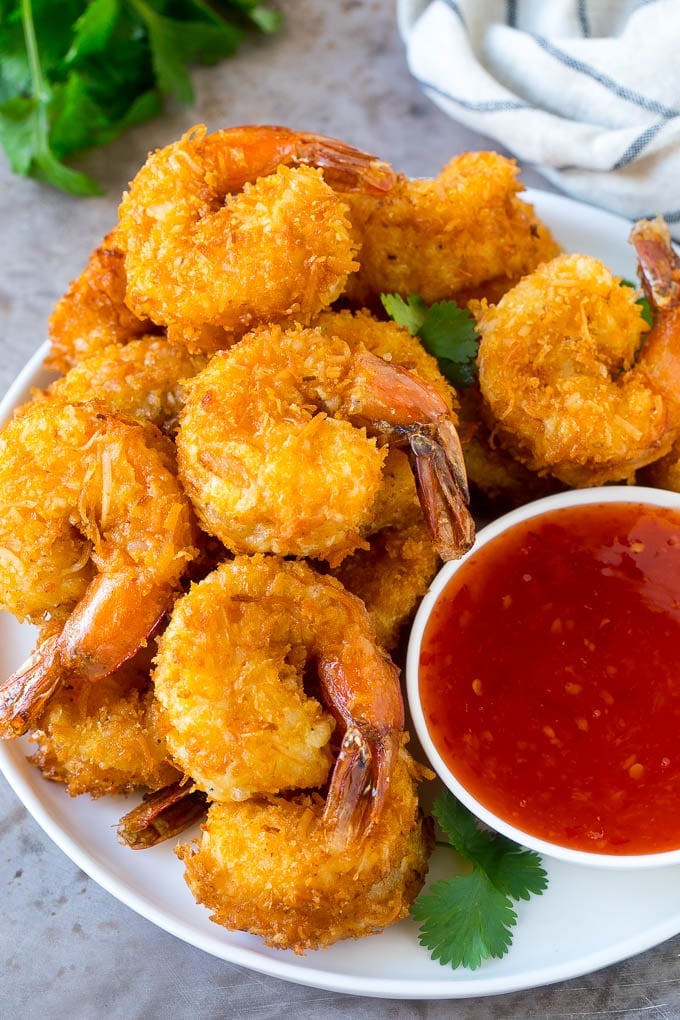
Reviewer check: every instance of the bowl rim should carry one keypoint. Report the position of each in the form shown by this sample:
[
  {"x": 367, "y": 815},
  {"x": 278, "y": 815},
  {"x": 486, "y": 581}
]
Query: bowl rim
[{"x": 635, "y": 494}]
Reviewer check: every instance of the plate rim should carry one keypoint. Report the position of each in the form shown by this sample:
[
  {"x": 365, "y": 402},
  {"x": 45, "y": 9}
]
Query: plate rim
[{"x": 448, "y": 987}]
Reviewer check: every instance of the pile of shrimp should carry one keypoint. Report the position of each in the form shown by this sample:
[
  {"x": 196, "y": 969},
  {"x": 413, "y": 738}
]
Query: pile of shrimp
[{"x": 222, "y": 514}]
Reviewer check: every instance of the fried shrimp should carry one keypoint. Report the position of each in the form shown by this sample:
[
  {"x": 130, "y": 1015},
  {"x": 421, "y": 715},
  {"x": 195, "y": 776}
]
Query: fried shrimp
[
  {"x": 264, "y": 866},
  {"x": 93, "y": 313},
  {"x": 394, "y": 572},
  {"x": 239, "y": 721},
  {"x": 274, "y": 452},
  {"x": 392, "y": 343},
  {"x": 95, "y": 535},
  {"x": 142, "y": 380},
  {"x": 497, "y": 480},
  {"x": 104, "y": 738},
  {"x": 439, "y": 238},
  {"x": 557, "y": 373},
  {"x": 240, "y": 227}
]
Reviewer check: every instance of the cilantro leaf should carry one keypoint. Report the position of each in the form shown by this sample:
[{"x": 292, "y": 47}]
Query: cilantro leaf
[
  {"x": 645, "y": 308},
  {"x": 411, "y": 313},
  {"x": 79, "y": 73},
  {"x": 445, "y": 330},
  {"x": 469, "y": 918},
  {"x": 465, "y": 920}
]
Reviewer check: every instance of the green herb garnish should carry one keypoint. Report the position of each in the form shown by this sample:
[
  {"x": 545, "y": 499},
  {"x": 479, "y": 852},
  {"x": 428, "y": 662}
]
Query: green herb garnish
[
  {"x": 642, "y": 302},
  {"x": 469, "y": 918},
  {"x": 445, "y": 330},
  {"x": 77, "y": 74}
]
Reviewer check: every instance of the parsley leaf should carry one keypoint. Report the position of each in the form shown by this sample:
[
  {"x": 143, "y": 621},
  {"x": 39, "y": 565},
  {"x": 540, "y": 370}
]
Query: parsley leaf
[
  {"x": 469, "y": 918},
  {"x": 79, "y": 73},
  {"x": 445, "y": 330},
  {"x": 645, "y": 309}
]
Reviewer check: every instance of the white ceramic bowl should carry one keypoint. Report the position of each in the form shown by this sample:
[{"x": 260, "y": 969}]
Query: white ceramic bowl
[{"x": 573, "y": 498}]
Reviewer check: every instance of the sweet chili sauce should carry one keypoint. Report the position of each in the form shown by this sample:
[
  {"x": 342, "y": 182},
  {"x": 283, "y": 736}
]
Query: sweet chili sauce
[{"x": 550, "y": 677}]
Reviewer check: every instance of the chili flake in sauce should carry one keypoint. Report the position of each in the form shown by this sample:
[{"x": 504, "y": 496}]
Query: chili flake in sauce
[{"x": 550, "y": 677}]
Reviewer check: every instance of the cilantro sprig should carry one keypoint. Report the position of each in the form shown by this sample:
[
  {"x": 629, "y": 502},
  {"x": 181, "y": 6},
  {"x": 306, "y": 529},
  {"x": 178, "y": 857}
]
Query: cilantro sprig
[
  {"x": 77, "y": 74},
  {"x": 445, "y": 330},
  {"x": 469, "y": 918}
]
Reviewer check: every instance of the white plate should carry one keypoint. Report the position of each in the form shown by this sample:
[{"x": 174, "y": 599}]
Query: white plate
[{"x": 626, "y": 912}]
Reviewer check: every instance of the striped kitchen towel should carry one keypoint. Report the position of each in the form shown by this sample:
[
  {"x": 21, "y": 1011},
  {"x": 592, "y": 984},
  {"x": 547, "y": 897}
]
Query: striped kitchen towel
[{"x": 586, "y": 91}]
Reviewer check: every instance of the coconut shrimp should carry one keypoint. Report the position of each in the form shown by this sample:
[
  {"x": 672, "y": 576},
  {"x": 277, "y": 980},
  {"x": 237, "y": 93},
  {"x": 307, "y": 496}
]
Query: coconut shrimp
[
  {"x": 240, "y": 226},
  {"x": 239, "y": 719},
  {"x": 392, "y": 343},
  {"x": 394, "y": 572},
  {"x": 142, "y": 379},
  {"x": 660, "y": 273},
  {"x": 92, "y": 313},
  {"x": 95, "y": 534},
  {"x": 104, "y": 738},
  {"x": 559, "y": 376},
  {"x": 443, "y": 238},
  {"x": 497, "y": 480},
  {"x": 274, "y": 453},
  {"x": 264, "y": 866}
]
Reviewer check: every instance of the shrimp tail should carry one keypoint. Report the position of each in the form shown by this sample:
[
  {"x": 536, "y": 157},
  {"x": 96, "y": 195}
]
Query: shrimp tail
[
  {"x": 392, "y": 402},
  {"x": 161, "y": 815},
  {"x": 26, "y": 693},
  {"x": 359, "y": 785},
  {"x": 349, "y": 789},
  {"x": 437, "y": 461},
  {"x": 345, "y": 168},
  {"x": 659, "y": 265},
  {"x": 109, "y": 625}
]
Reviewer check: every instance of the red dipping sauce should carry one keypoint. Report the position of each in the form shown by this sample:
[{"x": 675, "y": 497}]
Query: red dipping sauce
[{"x": 550, "y": 677}]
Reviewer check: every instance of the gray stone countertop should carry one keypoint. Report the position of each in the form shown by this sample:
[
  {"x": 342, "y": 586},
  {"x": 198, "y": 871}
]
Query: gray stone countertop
[{"x": 68, "y": 948}]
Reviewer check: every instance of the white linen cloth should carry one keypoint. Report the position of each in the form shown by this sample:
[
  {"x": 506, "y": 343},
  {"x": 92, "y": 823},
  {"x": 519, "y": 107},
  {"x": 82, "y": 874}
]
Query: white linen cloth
[{"x": 585, "y": 91}]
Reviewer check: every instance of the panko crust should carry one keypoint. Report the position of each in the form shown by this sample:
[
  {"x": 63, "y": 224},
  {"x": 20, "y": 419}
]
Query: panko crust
[
  {"x": 389, "y": 341},
  {"x": 85, "y": 491},
  {"x": 444, "y": 237},
  {"x": 264, "y": 866},
  {"x": 236, "y": 715},
  {"x": 493, "y": 473},
  {"x": 103, "y": 738},
  {"x": 267, "y": 469},
  {"x": 93, "y": 312},
  {"x": 142, "y": 379},
  {"x": 555, "y": 370},
  {"x": 212, "y": 239},
  {"x": 393, "y": 574}
]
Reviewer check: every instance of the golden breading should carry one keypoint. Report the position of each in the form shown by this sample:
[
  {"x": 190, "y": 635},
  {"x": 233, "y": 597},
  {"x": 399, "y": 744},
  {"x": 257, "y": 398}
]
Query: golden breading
[
  {"x": 92, "y": 313},
  {"x": 103, "y": 738},
  {"x": 220, "y": 229},
  {"x": 393, "y": 574},
  {"x": 142, "y": 379},
  {"x": 274, "y": 452},
  {"x": 443, "y": 237},
  {"x": 97, "y": 534},
  {"x": 264, "y": 866},
  {"x": 555, "y": 371},
  {"x": 231, "y": 673}
]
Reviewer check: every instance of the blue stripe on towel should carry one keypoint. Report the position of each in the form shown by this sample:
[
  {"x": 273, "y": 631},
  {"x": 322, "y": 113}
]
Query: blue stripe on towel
[
  {"x": 583, "y": 18},
  {"x": 622, "y": 91},
  {"x": 489, "y": 106},
  {"x": 636, "y": 147}
]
